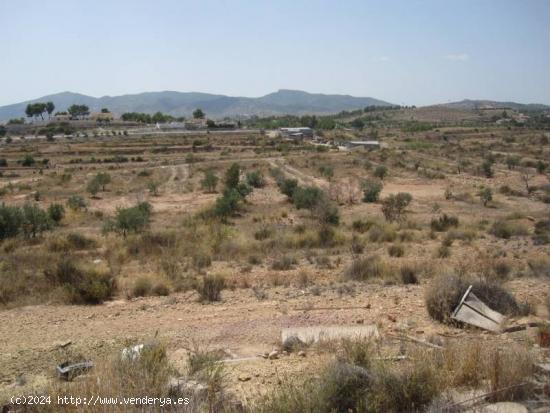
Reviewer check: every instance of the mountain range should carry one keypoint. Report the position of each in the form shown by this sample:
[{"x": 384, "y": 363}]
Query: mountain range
[{"x": 282, "y": 102}]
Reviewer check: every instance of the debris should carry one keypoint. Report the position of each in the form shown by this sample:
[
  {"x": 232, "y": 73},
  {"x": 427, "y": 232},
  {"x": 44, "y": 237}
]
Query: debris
[
  {"x": 472, "y": 310},
  {"x": 274, "y": 355},
  {"x": 67, "y": 371},
  {"x": 132, "y": 353},
  {"x": 415, "y": 340},
  {"x": 320, "y": 333}
]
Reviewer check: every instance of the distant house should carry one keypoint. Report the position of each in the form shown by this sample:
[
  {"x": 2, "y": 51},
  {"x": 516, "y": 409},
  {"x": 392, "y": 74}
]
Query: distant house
[
  {"x": 195, "y": 124},
  {"x": 296, "y": 133},
  {"x": 102, "y": 116},
  {"x": 363, "y": 144}
]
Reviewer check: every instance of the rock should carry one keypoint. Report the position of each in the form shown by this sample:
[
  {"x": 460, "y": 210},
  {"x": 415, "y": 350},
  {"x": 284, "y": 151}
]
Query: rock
[
  {"x": 62, "y": 344},
  {"x": 505, "y": 407},
  {"x": 187, "y": 387},
  {"x": 360, "y": 321},
  {"x": 291, "y": 343},
  {"x": 302, "y": 353},
  {"x": 274, "y": 355},
  {"x": 244, "y": 377},
  {"x": 265, "y": 355}
]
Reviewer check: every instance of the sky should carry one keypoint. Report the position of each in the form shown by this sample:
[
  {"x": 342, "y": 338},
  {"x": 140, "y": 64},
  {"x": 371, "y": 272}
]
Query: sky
[{"x": 404, "y": 52}]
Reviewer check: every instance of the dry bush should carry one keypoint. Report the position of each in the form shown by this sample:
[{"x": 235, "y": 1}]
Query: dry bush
[
  {"x": 396, "y": 250},
  {"x": 210, "y": 288},
  {"x": 365, "y": 268},
  {"x": 70, "y": 242},
  {"x": 409, "y": 274},
  {"x": 443, "y": 223},
  {"x": 540, "y": 267},
  {"x": 284, "y": 263},
  {"x": 382, "y": 233},
  {"x": 508, "y": 228},
  {"x": 80, "y": 284},
  {"x": 142, "y": 287}
]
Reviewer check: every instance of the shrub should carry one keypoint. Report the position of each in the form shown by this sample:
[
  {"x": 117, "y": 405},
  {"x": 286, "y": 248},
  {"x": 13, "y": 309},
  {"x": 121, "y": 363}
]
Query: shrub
[
  {"x": 227, "y": 204},
  {"x": 365, "y": 268},
  {"x": 232, "y": 176},
  {"x": 393, "y": 207},
  {"x": 76, "y": 202},
  {"x": 485, "y": 195},
  {"x": 35, "y": 221},
  {"x": 11, "y": 220},
  {"x": 396, "y": 250},
  {"x": 288, "y": 186},
  {"x": 371, "y": 190},
  {"x": 81, "y": 286},
  {"x": 133, "y": 219},
  {"x": 28, "y": 160},
  {"x": 161, "y": 289},
  {"x": 210, "y": 181},
  {"x": 284, "y": 263},
  {"x": 508, "y": 228},
  {"x": 211, "y": 287},
  {"x": 443, "y": 223},
  {"x": 306, "y": 197},
  {"x": 408, "y": 274},
  {"x": 487, "y": 168},
  {"x": 540, "y": 267},
  {"x": 542, "y": 232},
  {"x": 56, "y": 212},
  {"x": 142, "y": 287},
  {"x": 380, "y": 172},
  {"x": 255, "y": 179}
]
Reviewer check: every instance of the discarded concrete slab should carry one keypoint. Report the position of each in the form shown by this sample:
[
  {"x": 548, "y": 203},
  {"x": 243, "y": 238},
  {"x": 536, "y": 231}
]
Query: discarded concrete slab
[
  {"x": 472, "y": 310},
  {"x": 321, "y": 333},
  {"x": 67, "y": 371}
]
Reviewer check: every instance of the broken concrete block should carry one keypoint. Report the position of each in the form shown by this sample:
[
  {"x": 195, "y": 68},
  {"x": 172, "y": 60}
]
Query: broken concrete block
[{"x": 471, "y": 310}]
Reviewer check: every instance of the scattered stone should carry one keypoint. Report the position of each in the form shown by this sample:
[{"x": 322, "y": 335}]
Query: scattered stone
[
  {"x": 302, "y": 353},
  {"x": 274, "y": 355},
  {"x": 62, "y": 344},
  {"x": 244, "y": 377}
]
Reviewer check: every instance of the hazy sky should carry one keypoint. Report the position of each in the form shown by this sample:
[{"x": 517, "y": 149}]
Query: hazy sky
[{"x": 405, "y": 52}]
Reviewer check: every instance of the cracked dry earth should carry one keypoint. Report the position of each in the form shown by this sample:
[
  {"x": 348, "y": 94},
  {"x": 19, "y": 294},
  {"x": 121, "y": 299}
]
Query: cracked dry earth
[{"x": 31, "y": 337}]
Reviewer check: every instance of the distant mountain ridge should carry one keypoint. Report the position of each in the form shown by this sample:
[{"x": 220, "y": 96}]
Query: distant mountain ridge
[
  {"x": 487, "y": 104},
  {"x": 282, "y": 102}
]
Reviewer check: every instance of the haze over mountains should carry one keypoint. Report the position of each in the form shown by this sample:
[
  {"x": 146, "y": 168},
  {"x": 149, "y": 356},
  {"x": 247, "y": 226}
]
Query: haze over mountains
[
  {"x": 215, "y": 106},
  {"x": 282, "y": 102}
]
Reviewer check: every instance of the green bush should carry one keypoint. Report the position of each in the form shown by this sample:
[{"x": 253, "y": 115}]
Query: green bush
[
  {"x": 371, "y": 190},
  {"x": 133, "y": 219},
  {"x": 56, "y": 212},
  {"x": 393, "y": 207},
  {"x": 255, "y": 179},
  {"x": 76, "y": 202},
  {"x": 288, "y": 186},
  {"x": 380, "y": 172},
  {"x": 508, "y": 228},
  {"x": 306, "y": 197},
  {"x": 210, "y": 181},
  {"x": 142, "y": 287}
]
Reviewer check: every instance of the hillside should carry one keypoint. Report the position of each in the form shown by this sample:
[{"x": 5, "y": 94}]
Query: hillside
[
  {"x": 469, "y": 104},
  {"x": 216, "y": 106}
]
